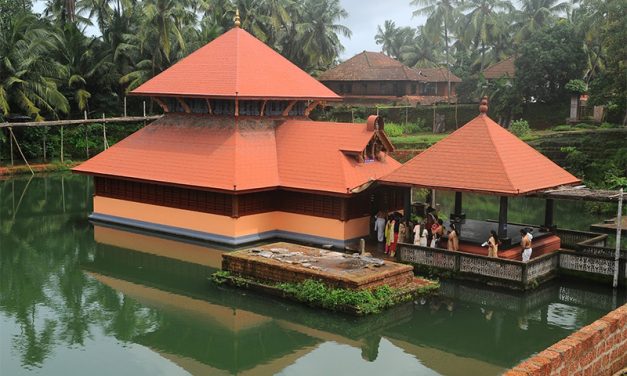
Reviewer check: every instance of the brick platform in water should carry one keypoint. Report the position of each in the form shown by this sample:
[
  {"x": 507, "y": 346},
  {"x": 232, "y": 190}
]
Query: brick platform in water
[{"x": 286, "y": 262}]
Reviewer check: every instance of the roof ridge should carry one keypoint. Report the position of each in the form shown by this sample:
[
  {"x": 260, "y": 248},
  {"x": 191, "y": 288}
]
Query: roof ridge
[
  {"x": 367, "y": 60},
  {"x": 498, "y": 154},
  {"x": 237, "y": 59}
]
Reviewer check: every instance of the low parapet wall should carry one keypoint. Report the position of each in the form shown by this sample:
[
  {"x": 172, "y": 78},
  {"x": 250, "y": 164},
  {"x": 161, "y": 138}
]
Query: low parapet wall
[{"x": 598, "y": 349}]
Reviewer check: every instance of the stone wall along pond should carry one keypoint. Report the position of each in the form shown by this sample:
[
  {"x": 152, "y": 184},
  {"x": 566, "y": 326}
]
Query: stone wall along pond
[{"x": 598, "y": 349}]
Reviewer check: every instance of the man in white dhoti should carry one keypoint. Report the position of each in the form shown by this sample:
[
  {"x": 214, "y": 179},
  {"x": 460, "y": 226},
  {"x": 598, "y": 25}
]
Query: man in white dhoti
[{"x": 525, "y": 244}]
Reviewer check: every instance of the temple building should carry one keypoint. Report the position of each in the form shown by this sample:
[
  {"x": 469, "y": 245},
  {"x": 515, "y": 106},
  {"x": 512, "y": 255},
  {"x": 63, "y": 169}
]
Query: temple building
[
  {"x": 236, "y": 159},
  {"x": 375, "y": 77}
]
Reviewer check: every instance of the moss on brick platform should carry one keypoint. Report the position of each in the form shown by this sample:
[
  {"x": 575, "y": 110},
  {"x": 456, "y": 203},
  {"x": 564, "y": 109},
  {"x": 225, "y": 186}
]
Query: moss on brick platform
[{"x": 318, "y": 294}]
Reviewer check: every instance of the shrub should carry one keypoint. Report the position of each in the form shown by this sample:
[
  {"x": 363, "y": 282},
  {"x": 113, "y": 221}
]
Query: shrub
[
  {"x": 607, "y": 125},
  {"x": 393, "y": 130},
  {"x": 520, "y": 128},
  {"x": 562, "y": 128},
  {"x": 584, "y": 126}
]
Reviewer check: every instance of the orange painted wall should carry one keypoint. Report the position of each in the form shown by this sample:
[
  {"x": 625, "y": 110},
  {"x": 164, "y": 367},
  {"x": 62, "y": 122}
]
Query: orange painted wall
[{"x": 233, "y": 227}]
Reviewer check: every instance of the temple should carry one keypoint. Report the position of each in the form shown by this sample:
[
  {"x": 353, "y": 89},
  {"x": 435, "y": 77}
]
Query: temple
[{"x": 236, "y": 159}]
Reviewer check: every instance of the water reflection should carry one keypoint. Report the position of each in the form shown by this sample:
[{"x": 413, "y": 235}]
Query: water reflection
[{"x": 79, "y": 300}]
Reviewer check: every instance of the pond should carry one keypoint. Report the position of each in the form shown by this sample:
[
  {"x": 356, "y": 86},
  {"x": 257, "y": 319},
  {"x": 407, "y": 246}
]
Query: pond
[{"x": 75, "y": 299}]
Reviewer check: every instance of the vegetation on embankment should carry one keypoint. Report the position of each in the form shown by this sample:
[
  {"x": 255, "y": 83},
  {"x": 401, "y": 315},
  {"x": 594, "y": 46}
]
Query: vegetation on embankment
[{"x": 317, "y": 294}]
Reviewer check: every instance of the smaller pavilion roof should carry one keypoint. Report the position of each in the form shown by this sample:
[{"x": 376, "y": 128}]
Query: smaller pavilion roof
[
  {"x": 504, "y": 68},
  {"x": 482, "y": 157},
  {"x": 371, "y": 66},
  {"x": 438, "y": 74},
  {"x": 236, "y": 64}
]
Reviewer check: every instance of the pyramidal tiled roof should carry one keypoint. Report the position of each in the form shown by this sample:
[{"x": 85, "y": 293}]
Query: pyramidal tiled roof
[
  {"x": 483, "y": 157},
  {"x": 236, "y": 64}
]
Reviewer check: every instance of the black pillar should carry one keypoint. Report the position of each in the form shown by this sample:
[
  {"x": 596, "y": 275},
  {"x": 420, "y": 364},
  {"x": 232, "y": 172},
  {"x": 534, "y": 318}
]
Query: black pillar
[
  {"x": 548, "y": 213},
  {"x": 458, "y": 203},
  {"x": 457, "y": 215},
  {"x": 503, "y": 218}
]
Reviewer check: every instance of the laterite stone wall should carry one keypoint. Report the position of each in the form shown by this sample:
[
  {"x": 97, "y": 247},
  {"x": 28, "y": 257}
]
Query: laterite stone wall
[{"x": 598, "y": 349}]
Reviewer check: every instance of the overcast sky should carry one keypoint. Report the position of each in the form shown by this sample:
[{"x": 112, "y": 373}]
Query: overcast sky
[
  {"x": 363, "y": 18},
  {"x": 365, "y": 15}
]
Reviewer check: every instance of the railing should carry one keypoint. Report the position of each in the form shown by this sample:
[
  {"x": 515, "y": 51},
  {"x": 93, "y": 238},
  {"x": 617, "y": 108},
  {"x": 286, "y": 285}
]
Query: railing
[
  {"x": 590, "y": 243},
  {"x": 571, "y": 238},
  {"x": 517, "y": 273},
  {"x": 576, "y": 261}
]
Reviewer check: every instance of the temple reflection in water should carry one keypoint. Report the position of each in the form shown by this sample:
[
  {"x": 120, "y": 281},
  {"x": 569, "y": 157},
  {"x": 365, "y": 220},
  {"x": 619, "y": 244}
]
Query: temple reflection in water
[{"x": 231, "y": 331}]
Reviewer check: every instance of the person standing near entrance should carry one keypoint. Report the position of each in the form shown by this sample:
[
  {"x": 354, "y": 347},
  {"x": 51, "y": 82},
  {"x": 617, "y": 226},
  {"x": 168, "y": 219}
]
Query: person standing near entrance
[
  {"x": 389, "y": 234},
  {"x": 453, "y": 238},
  {"x": 379, "y": 226},
  {"x": 493, "y": 244},
  {"x": 430, "y": 221},
  {"x": 525, "y": 244}
]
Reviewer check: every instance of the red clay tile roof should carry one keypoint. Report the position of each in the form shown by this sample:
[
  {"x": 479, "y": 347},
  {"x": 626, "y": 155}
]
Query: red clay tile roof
[
  {"x": 371, "y": 66},
  {"x": 437, "y": 75},
  {"x": 505, "y": 68},
  {"x": 484, "y": 157},
  {"x": 236, "y": 64},
  {"x": 208, "y": 152}
]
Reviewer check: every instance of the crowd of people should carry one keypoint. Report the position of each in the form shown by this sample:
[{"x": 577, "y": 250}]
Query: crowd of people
[{"x": 431, "y": 232}]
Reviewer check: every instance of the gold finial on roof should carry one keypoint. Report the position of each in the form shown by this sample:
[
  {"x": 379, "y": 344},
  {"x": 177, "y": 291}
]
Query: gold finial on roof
[
  {"x": 236, "y": 19},
  {"x": 483, "y": 107}
]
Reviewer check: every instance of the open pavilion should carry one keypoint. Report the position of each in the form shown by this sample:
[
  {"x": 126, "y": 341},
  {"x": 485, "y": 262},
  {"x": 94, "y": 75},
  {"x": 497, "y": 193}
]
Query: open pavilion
[{"x": 485, "y": 158}]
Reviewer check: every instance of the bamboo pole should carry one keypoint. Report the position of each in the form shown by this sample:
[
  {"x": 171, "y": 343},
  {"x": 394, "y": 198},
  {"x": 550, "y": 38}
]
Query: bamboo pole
[
  {"x": 128, "y": 119},
  {"x": 20, "y": 150},
  {"x": 619, "y": 223},
  {"x": 11, "y": 145},
  {"x": 61, "y": 144}
]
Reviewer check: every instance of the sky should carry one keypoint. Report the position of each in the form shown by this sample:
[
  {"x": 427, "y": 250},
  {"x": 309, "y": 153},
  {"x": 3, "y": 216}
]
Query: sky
[
  {"x": 363, "y": 18},
  {"x": 365, "y": 15}
]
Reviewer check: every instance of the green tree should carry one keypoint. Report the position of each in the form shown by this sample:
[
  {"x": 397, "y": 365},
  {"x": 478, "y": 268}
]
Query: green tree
[
  {"x": 483, "y": 24},
  {"x": 28, "y": 76},
  {"x": 549, "y": 59},
  {"x": 442, "y": 15},
  {"x": 536, "y": 14}
]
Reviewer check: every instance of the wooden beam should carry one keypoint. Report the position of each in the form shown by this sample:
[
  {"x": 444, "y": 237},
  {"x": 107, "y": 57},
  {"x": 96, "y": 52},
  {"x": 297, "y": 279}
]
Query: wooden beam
[
  {"x": 263, "y": 107},
  {"x": 209, "y": 107},
  {"x": 311, "y": 106},
  {"x": 288, "y": 108},
  {"x": 128, "y": 119},
  {"x": 236, "y": 107},
  {"x": 161, "y": 103},
  {"x": 185, "y": 105}
]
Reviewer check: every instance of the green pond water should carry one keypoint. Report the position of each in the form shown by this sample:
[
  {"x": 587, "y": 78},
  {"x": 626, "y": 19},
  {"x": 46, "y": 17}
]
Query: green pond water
[{"x": 79, "y": 300}]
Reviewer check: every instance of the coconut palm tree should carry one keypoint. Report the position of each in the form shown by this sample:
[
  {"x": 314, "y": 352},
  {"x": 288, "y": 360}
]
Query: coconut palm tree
[
  {"x": 385, "y": 36},
  {"x": 535, "y": 14},
  {"x": 313, "y": 43},
  {"x": 442, "y": 15},
  {"x": 422, "y": 52},
  {"x": 482, "y": 23},
  {"x": 28, "y": 77}
]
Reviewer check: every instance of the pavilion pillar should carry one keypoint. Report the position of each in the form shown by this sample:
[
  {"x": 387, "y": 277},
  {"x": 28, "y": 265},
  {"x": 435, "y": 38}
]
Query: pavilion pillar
[
  {"x": 549, "y": 207},
  {"x": 502, "y": 232},
  {"x": 457, "y": 214}
]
